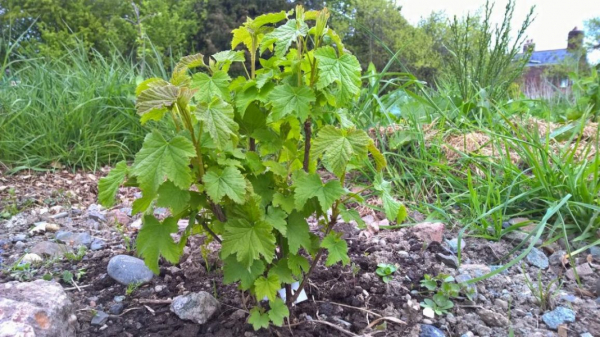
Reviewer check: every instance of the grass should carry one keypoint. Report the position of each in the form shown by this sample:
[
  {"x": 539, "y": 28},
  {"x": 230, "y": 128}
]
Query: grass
[{"x": 77, "y": 112}]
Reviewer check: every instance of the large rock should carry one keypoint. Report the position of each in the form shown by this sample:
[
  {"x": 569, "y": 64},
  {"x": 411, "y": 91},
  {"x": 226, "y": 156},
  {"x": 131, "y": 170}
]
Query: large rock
[
  {"x": 197, "y": 307},
  {"x": 39, "y": 308},
  {"x": 127, "y": 270},
  {"x": 429, "y": 231},
  {"x": 537, "y": 258},
  {"x": 430, "y": 331}
]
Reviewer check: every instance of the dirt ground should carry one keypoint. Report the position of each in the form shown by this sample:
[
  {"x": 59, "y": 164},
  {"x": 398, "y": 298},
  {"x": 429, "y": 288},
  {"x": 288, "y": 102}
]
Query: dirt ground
[{"x": 342, "y": 300}]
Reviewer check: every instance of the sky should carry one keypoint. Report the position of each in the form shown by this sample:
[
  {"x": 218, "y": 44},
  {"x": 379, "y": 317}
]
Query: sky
[{"x": 553, "y": 19}]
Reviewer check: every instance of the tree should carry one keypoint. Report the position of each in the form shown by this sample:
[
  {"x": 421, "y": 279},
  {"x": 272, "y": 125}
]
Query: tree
[{"x": 592, "y": 28}]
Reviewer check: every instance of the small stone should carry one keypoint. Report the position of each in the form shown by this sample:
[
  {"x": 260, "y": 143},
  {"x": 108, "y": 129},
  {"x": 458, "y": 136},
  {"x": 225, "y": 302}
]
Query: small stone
[
  {"x": 159, "y": 288},
  {"x": 59, "y": 215},
  {"x": 496, "y": 267},
  {"x": 31, "y": 258},
  {"x": 467, "y": 334},
  {"x": 587, "y": 334},
  {"x": 238, "y": 315},
  {"x": 471, "y": 287},
  {"x": 97, "y": 244},
  {"x": 127, "y": 270},
  {"x": 427, "y": 321},
  {"x": 557, "y": 258},
  {"x": 100, "y": 318},
  {"x": 137, "y": 224},
  {"x": 198, "y": 307},
  {"x": 475, "y": 270},
  {"x": 449, "y": 260},
  {"x": 74, "y": 239},
  {"x": 558, "y": 316},
  {"x": 428, "y": 330},
  {"x": 118, "y": 217},
  {"x": 537, "y": 258},
  {"x": 96, "y": 215},
  {"x": 582, "y": 270},
  {"x": 49, "y": 248},
  {"x": 116, "y": 309},
  {"x": 595, "y": 252},
  {"x": 492, "y": 319},
  {"x": 20, "y": 245},
  {"x": 501, "y": 304},
  {"x": 598, "y": 288},
  {"x": 119, "y": 299},
  {"x": 19, "y": 237},
  {"x": 453, "y": 245},
  {"x": 518, "y": 237},
  {"x": 429, "y": 231}
]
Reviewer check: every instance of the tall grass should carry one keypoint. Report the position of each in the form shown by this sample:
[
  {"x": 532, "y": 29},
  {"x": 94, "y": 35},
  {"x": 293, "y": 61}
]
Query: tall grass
[{"x": 77, "y": 111}]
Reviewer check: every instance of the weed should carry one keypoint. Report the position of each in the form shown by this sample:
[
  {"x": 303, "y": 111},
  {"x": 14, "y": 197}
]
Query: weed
[
  {"x": 385, "y": 271},
  {"x": 444, "y": 288},
  {"x": 131, "y": 287},
  {"x": 74, "y": 257},
  {"x": 543, "y": 293},
  {"x": 22, "y": 271}
]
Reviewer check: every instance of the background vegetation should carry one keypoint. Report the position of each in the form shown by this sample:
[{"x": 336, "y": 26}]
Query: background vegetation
[{"x": 442, "y": 98}]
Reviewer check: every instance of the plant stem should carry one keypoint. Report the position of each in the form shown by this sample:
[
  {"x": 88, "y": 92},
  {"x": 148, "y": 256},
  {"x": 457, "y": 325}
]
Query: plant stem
[{"x": 307, "y": 136}]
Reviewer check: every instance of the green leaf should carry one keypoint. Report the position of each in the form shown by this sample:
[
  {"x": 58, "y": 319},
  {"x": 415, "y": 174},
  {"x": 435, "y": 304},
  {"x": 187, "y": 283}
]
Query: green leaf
[
  {"x": 344, "y": 71},
  {"x": 229, "y": 55},
  {"x": 268, "y": 18},
  {"x": 154, "y": 240},
  {"x": 297, "y": 264},
  {"x": 234, "y": 271},
  {"x": 337, "y": 248},
  {"x": 267, "y": 287},
  {"x": 278, "y": 311},
  {"x": 211, "y": 87},
  {"x": 227, "y": 182},
  {"x": 263, "y": 185},
  {"x": 248, "y": 241},
  {"x": 338, "y": 146},
  {"x": 283, "y": 272},
  {"x": 155, "y": 100},
  {"x": 218, "y": 121},
  {"x": 309, "y": 185},
  {"x": 352, "y": 214},
  {"x": 160, "y": 158},
  {"x": 283, "y": 36},
  {"x": 276, "y": 218},
  {"x": 173, "y": 197},
  {"x": 287, "y": 99},
  {"x": 258, "y": 319},
  {"x": 394, "y": 210},
  {"x": 241, "y": 35},
  {"x": 189, "y": 62},
  {"x": 108, "y": 186},
  {"x": 379, "y": 159},
  {"x": 140, "y": 205},
  {"x": 285, "y": 202},
  {"x": 298, "y": 232}
]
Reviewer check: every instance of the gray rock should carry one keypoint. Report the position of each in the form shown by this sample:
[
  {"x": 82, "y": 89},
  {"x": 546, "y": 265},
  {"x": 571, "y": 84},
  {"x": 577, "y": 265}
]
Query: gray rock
[
  {"x": 558, "y": 316},
  {"x": 74, "y": 239},
  {"x": 97, "y": 244},
  {"x": 198, "y": 307},
  {"x": 100, "y": 318},
  {"x": 59, "y": 215},
  {"x": 518, "y": 237},
  {"x": 19, "y": 237},
  {"x": 598, "y": 287},
  {"x": 96, "y": 216},
  {"x": 127, "y": 269},
  {"x": 48, "y": 248},
  {"x": 39, "y": 308},
  {"x": 587, "y": 334},
  {"x": 20, "y": 245},
  {"x": 537, "y": 258},
  {"x": 495, "y": 267},
  {"x": 501, "y": 304},
  {"x": 119, "y": 299},
  {"x": 430, "y": 331},
  {"x": 449, "y": 260},
  {"x": 453, "y": 244},
  {"x": 471, "y": 287},
  {"x": 595, "y": 251},
  {"x": 116, "y": 309},
  {"x": 491, "y": 318}
]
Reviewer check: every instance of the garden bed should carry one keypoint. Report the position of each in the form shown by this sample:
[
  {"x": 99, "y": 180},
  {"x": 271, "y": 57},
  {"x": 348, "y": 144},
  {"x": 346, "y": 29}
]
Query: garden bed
[{"x": 342, "y": 300}]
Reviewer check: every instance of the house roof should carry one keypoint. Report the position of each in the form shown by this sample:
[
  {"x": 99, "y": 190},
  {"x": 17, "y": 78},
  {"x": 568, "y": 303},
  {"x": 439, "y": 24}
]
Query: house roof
[{"x": 547, "y": 57}]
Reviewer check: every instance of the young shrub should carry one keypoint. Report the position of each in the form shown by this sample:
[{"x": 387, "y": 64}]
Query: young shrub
[{"x": 241, "y": 163}]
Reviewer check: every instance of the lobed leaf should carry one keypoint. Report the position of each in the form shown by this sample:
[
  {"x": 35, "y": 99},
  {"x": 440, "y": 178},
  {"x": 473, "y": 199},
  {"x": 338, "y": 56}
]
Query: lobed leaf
[
  {"x": 286, "y": 100},
  {"x": 258, "y": 319},
  {"x": 309, "y": 185},
  {"x": 248, "y": 241},
  {"x": 159, "y": 159},
  {"x": 234, "y": 271},
  {"x": 217, "y": 117},
  {"x": 278, "y": 311},
  {"x": 337, "y": 249},
  {"x": 267, "y": 287},
  {"x": 227, "y": 182},
  {"x": 154, "y": 240},
  {"x": 338, "y": 146},
  {"x": 108, "y": 186},
  {"x": 343, "y": 70},
  {"x": 283, "y": 36}
]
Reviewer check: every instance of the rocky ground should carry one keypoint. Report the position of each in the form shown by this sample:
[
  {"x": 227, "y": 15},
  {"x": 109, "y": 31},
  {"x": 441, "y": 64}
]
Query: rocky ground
[{"x": 68, "y": 268}]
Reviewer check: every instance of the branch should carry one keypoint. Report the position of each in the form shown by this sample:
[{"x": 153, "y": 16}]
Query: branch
[{"x": 307, "y": 136}]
